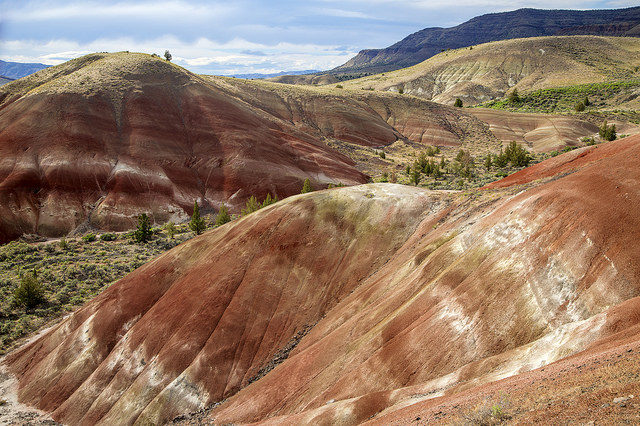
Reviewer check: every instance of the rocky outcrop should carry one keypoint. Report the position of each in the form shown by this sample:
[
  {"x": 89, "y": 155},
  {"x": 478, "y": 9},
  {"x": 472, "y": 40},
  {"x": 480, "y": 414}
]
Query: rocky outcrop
[
  {"x": 521, "y": 23},
  {"x": 401, "y": 295}
]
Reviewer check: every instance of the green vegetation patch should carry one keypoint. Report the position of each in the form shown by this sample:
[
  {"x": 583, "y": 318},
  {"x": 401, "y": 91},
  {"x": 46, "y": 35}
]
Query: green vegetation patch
[
  {"x": 583, "y": 97},
  {"x": 42, "y": 282}
]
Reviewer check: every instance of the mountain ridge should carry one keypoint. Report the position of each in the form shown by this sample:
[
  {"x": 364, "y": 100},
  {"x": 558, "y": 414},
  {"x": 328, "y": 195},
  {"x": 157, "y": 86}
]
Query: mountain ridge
[
  {"x": 15, "y": 70},
  {"x": 490, "y": 70},
  {"x": 520, "y": 23}
]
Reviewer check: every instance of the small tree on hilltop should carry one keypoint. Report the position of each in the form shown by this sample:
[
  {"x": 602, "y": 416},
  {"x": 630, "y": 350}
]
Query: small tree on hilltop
[
  {"x": 167, "y": 56},
  {"x": 223, "y": 216},
  {"x": 143, "y": 231},
  {"x": 458, "y": 103},
  {"x": 30, "y": 292},
  {"x": 197, "y": 223},
  {"x": 306, "y": 186}
]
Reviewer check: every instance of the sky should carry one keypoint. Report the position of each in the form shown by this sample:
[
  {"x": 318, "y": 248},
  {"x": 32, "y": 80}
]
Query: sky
[{"x": 236, "y": 36}]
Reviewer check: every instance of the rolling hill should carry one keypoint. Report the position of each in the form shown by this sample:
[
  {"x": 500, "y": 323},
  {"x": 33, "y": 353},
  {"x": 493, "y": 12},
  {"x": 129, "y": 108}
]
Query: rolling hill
[
  {"x": 103, "y": 138},
  {"x": 520, "y": 23},
  {"x": 490, "y": 70},
  {"x": 361, "y": 304},
  {"x": 148, "y": 136}
]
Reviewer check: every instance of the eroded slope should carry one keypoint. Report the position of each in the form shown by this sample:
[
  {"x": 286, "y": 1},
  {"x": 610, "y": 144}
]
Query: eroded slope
[
  {"x": 481, "y": 292},
  {"x": 403, "y": 294},
  {"x": 199, "y": 323},
  {"x": 103, "y": 138}
]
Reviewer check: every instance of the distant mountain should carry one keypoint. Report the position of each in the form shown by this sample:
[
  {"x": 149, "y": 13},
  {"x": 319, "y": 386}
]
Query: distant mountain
[
  {"x": 493, "y": 27},
  {"x": 277, "y": 74},
  {"x": 5, "y": 80},
  {"x": 489, "y": 70},
  {"x": 15, "y": 70}
]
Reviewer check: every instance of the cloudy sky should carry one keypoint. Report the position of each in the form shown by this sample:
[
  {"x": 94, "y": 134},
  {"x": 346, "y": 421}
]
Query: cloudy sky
[{"x": 236, "y": 36}]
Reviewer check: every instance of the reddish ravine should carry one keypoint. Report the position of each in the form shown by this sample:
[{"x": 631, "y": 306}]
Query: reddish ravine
[{"x": 407, "y": 297}]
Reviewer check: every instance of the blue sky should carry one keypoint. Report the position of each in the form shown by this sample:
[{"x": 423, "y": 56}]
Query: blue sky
[{"x": 234, "y": 37}]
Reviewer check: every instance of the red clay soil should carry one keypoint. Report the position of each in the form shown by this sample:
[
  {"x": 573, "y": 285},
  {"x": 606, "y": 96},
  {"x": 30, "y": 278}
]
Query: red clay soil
[
  {"x": 565, "y": 164},
  {"x": 198, "y": 324},
  {"x": 400, "y": 294}
]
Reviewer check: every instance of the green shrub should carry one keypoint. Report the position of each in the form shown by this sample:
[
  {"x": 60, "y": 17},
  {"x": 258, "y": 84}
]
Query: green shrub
[
  {"x": 514, "y": 97},
  {"x": 108, "y": 237},
  {"x": 30, "y": 292},
  {"x": 171, "y": 229},
  {"x": 269, "y": 200},
  {"x": 458, "y": 103},
  {"x": 517, "y": 155},
  {"x": 306, "y": 186},
  {"x": 142, "y": 233},
  {"x": 251, "y": 206},
  {"x": 415, "y": 177},
  {"x": 88, "y": 238},
  {"x": 607, "y": 132},
  {"x": 432, "y": 150},
  {"x": 580, "y": 107}
]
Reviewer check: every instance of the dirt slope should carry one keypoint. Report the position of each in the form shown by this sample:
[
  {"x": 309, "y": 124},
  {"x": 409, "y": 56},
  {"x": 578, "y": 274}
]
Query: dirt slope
[
  {"x": 488, "y": 71},
  {"x": 197, "y": 325},
  {"x": 373, "y": 297},
  {"x": 508, "y": 285},
  {"x": 538, "y": 132}
]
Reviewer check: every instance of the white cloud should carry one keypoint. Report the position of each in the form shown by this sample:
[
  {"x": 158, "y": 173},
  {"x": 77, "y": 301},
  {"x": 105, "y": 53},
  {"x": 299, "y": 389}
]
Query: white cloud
[
  {"x": 242, "y": 35},
  {"x": 36, "y": 11},
  {"x": 202, "y": 55}
]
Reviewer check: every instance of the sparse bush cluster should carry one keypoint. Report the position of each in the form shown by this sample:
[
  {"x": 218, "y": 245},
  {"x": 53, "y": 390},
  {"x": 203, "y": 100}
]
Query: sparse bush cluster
[
  {"x": 253, "y": 205},
  {"x": 44, "y": 281},
  {"x": 513, "y": 155}
]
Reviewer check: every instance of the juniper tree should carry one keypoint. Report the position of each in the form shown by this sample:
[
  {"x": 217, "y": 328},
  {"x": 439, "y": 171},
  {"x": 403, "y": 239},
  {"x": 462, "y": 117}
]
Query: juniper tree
[
  {"x": 306, "y": 186},
  {"x": 223, "y": 216},
  {"x": 143, "y": 231},
  {"x": 251, "y": 206},
  {"x": 197, "y": 224},
  {"x": 30, "y": 292}
]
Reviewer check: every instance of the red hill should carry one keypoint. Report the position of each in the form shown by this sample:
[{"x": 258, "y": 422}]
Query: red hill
[
  {"x": 101, "y": 139},
  {"x": 353, "y": 304}
]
